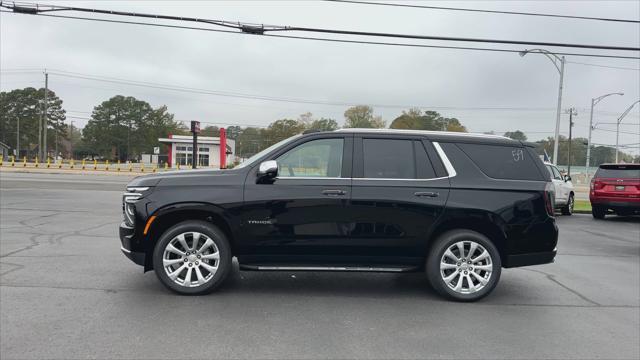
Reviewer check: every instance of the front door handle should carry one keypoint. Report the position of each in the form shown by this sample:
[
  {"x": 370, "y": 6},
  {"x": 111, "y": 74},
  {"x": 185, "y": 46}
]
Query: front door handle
[
  {"x": 333, "y": 192},
  {"x": 425, "y": 194}
]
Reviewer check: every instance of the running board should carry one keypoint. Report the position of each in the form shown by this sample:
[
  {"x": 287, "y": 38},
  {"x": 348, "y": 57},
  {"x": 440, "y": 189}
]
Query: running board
[{"x": 261, "y": 267}]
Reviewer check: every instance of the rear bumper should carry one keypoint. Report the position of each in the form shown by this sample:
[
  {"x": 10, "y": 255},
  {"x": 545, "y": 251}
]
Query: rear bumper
[
  {"x": 617, "y": 203},
  {"x": 530, "y": 259},
  {"x": 126, "y": 235}
]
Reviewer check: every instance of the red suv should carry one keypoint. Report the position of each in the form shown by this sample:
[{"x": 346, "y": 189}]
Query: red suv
[{"x": 615, "y": 187}]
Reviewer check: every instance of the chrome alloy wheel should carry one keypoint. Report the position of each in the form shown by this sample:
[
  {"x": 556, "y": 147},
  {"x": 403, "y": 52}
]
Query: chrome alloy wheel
[
  {"x": 466, "y": 267},
  {"x": 191, "y": 259}
]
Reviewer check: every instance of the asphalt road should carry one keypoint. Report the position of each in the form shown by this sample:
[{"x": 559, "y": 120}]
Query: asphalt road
[{"x": 67, "y": 292}]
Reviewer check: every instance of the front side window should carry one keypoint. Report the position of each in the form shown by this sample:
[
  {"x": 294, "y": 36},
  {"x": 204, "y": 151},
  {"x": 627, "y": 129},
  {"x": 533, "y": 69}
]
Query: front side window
[
  {"x": 388, "y": 159},
  {"x": 315, "y": 158}
]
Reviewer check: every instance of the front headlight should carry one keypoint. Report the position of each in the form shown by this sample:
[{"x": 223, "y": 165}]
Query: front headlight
[
  {"x": 130, "y": 213},
  {"x": 129, "y": 199}
]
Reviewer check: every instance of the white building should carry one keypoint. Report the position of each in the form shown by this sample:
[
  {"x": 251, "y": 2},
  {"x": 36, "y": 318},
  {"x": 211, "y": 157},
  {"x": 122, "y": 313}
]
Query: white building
[{"x": 181, "y": 151}]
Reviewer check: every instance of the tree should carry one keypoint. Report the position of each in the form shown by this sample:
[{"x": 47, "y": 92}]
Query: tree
[
  {"x": 26, "y": 106},
  {"x": 428, "y": 120},
  {"x": 516, "y": 135},
  {"x": 124, "y": 127},
  {"x": 361, "y": 116},
  {"x": 210, "y": 130},
  {"x": 282, "y": 129},
  {"x": 249, "y": 141},
  {"x": 323, "y": 124}
]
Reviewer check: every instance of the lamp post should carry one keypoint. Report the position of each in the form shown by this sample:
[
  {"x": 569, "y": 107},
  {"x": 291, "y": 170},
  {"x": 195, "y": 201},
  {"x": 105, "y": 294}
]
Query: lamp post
[
  {"x": 594, "y": 102},
  {"x": 555, "y": 59},
  {"x": 618, "y": 126}
]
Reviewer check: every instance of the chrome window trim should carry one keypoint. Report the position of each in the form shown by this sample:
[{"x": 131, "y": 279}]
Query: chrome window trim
[
  {"x": 310, "y": 178},
  {"x": 401, "y": 179},
  {"x": 445, "y": 160}
]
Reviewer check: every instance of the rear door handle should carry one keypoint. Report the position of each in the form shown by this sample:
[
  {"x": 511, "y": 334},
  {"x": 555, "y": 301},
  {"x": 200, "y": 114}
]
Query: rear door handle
[
  {"x": 425, "y": 194},
  {"x": 333, "y": 192}
]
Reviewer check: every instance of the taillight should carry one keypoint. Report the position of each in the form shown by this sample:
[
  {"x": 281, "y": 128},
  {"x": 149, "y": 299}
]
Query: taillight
[
  {"x": 597, "y": 184},
  {"x": 549, "y": 198}
]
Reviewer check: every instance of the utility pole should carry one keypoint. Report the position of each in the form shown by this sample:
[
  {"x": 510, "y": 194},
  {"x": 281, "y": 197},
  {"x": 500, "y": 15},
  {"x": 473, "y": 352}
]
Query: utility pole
[
  {"x": 45, "y": 154},
  {"x": 594, "y": 102},
  {"x": 71, "y": 141},
  {"x": 18, "y": 139},
  {"x": 572, "y": 112}
]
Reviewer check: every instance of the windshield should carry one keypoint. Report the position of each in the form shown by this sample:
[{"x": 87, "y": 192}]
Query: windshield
[{"x": 262, "y": 153}]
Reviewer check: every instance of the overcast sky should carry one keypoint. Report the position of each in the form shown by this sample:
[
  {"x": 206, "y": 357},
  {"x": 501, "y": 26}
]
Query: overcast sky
[{"x": 334, "y": 72}]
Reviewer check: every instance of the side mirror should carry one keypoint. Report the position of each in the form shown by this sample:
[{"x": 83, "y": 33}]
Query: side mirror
[
  {"x": 567, "y": 178},
  {"x": 267, "y": 171}
]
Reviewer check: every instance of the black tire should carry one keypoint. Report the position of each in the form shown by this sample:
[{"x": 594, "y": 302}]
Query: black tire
[
  {"x": 212, "y": 232},
  {"x": 437, "y": 251},
  {"x": 568, "y": 209},
  {"x": 598, "y": 212}
]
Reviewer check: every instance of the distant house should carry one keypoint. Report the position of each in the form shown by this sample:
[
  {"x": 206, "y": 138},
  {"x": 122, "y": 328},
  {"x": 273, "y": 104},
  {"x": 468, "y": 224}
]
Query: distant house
[
  {"x": 4, "y": 151},
  {"x": 181, "y": 150}
]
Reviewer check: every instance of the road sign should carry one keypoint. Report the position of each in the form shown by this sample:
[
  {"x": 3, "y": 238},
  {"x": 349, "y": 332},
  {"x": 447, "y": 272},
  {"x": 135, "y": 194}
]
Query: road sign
[
  {"x": 195, "y": 127},
  {"x": 156, "y": 150}
]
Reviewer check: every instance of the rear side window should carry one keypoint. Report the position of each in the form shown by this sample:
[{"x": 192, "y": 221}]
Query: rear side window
[
  {"x": 388, "y": 159},
  {"x": 503, "y": 162},
  {"x": 629, "y": 172}
]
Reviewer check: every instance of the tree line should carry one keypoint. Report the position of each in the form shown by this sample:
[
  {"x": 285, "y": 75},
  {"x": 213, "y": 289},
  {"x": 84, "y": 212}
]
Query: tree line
[{"x": 123, "y": 127}]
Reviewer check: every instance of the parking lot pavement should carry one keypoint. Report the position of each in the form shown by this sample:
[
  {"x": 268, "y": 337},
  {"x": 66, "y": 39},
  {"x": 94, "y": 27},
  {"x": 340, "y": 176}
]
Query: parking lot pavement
[{"x": 66, "y": 291}]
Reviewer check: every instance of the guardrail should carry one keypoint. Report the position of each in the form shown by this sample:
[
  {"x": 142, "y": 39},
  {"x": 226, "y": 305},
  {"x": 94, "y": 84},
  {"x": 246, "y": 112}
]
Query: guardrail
[{"x": 88, "y": 165}]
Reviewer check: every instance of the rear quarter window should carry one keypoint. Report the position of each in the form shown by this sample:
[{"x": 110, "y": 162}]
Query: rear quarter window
[{"x": 503, "y": 162}]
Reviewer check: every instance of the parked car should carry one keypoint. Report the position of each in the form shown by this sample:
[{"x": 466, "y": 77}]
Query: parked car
[
  {"x": 565, "y": 196},
  {"x": 615, "y": 187},
  {"x": 458, "y": 206}
]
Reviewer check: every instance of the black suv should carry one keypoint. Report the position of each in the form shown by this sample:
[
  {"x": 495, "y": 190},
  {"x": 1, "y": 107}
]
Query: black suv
[{"x": 457, "y": 206}]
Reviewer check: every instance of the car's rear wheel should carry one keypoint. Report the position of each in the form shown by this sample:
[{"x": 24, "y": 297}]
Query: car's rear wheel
[
  {"x": 598, "y": 212},
  {"x": 463, "y": 265},
  {"x": 192, "y": 258},
  {"x": 568, "y": 209}
]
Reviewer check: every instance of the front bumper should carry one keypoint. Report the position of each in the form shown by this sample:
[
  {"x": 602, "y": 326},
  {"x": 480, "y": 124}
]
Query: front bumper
[{"x": 126, "y": 236}]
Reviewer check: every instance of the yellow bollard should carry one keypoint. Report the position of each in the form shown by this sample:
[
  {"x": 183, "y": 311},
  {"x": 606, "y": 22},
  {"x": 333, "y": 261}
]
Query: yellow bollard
[
  {"x": 142, "y": 167},
  {"x": 155, "y": 168},
  {"x": 83, "y": 164},
  {"x": 13, "y": 160},
  {"x": 130, "y": 166},
  {"x": 178, "y": 166},
  {"x": 71, "y": 164},
  {"x": 37, "y": 162},
  {"x": 95, "y": 164},
  {"x": 60, "y": 164},
  {"x": 106, "y": 166},
  {"x": 24, "y": 161},
  {"x": 118, "y": 167},
  {"x": 166, "y": 166},
  {"x": 48, "y": 162}
]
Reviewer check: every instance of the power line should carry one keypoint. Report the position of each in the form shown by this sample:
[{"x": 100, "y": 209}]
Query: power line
[
  {"x": 331, "y": 39},
  {"x": 604, "y": 66},
  {"x": 37, "y": 9},
  {"x": 485, "y": 11},
  {"x": 270, "y": 98}
]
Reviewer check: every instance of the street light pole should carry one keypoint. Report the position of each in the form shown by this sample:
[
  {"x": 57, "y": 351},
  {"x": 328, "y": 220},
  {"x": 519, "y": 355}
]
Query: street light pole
[
  {"x": 618, "y": 126},
  {"x": 594, "y": 102},
  {"x": 555, "y": 59},
  {"x": 572, "y": 112}
]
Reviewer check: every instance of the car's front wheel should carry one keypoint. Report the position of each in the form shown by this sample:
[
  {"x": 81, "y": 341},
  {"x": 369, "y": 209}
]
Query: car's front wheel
[
  {"x": 192, "y": 258},
  {"x": 463, "y": 265}
]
